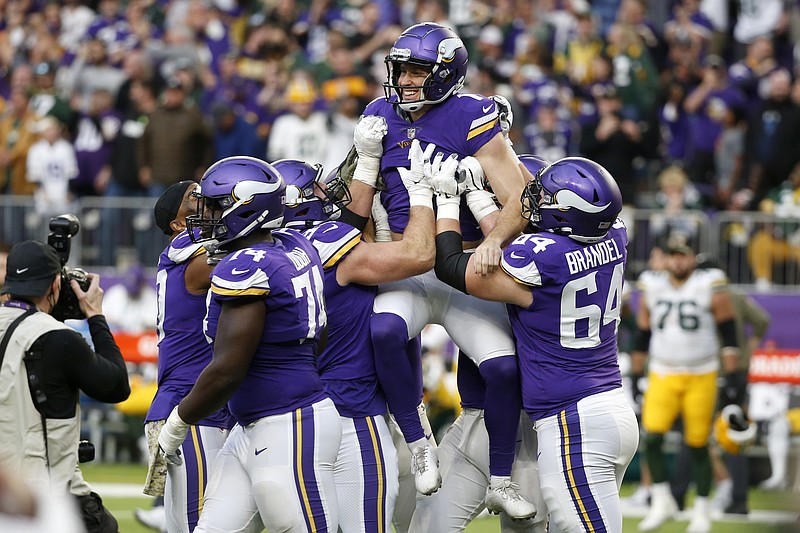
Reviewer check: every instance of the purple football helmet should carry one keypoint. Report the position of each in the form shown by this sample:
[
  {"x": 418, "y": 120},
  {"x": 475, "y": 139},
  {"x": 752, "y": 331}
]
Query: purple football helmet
[
  {"x": 533, "y": 163},
  {"x": 573, "y": 196},
  {"x": 310, "y": 199},
  {"x": 237, "y": 195},
  {"x": 432, "y": 46}
]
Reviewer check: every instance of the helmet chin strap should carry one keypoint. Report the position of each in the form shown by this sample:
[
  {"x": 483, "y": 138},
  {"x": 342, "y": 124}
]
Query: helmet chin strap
[
  {"x": 412, "y": 107},
  {"x": 587, "y": 240}
]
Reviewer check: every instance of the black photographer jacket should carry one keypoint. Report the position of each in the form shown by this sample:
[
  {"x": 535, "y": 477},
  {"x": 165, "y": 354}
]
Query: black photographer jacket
[{"x": 69, "y": 364}]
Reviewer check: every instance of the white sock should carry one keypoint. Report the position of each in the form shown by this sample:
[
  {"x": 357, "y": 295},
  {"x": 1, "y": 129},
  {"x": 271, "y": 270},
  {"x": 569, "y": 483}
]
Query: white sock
[
  {"x": 419, "y": 443},
  {"x": 778, "y": 446},
  {"x": 497, "y": 481},
  {"x": 701, "y": 504}
]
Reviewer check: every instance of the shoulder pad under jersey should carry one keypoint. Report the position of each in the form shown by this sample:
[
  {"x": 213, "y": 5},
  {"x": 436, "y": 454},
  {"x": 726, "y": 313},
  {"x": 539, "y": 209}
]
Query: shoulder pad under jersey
[{"x": 333, "y": 240}]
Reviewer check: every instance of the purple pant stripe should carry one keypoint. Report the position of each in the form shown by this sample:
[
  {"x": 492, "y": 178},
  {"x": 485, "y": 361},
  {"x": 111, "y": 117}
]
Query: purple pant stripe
[
  {"x": 575, "y": 473},
  {"x": 195, "y": 467},
  {"x": 374, "y": 475},
  {"x": 305, "y": 474}
]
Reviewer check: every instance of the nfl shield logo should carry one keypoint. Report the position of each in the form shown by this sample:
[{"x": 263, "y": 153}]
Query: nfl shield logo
[{"x": 411, "y": 132}]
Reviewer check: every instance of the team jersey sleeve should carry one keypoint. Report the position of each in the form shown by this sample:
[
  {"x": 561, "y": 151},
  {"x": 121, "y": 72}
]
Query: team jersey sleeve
[
  {"x": 519, "y": 263},
  {"x": 372, "y": 108},
  {"x": 646, "y": 280},
  {"x": 716, "y": 278},
  {"x": 481, "y": 120},
  {"x": 240, "y": 275},
  {"x": 182, "y": 249},
  {"x": 333, "y": 241}
]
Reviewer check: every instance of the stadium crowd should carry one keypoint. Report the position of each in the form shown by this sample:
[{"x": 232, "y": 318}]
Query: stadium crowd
[
  {"x": 706, "y": 85},
  {"x": 122, "y": 99}
]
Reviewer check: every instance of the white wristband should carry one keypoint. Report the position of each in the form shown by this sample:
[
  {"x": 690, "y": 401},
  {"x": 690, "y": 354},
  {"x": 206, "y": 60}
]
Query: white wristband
[
  {"x": 422, "y": 197},
  {"x": 448, "y": 207},
  {"x": 366, "y": 170},
  {"x": 481, "y": 204}
]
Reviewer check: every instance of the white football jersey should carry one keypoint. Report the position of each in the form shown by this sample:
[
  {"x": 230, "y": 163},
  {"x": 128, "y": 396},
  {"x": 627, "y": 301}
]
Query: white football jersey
[{"x": 684, "y": 332}]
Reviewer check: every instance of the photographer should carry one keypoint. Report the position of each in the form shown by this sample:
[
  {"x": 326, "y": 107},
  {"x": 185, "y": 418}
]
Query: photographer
[{"x": 44, "y": 366}]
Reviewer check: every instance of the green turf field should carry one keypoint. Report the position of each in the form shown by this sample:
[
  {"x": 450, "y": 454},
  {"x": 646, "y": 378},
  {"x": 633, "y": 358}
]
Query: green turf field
[{"x": 123, "y": 507}]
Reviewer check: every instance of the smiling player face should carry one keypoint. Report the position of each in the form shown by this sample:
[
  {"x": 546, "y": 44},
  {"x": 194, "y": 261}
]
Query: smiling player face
[{"x": 412, "y": 77}]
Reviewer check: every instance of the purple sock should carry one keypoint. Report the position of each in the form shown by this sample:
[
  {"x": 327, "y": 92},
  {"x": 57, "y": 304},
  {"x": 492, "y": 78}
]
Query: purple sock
[
  {"x": 414, "y": 355},
  {"x": 400, "y": 382},
  {"x": 501, "y": 411}
]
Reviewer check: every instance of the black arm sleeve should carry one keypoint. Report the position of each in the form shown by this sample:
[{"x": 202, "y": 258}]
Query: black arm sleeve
[
  {"x": 451, "y": 261},
  {"x": 642, "y": 341},
  {"x": 348, "y": 217},
  {"x": 727, "y": 330},
  {"x": 101, "y": 374}
]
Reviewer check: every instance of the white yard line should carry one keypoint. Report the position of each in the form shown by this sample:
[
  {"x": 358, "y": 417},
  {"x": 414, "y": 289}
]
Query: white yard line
[{"x": 131, "y": 490}]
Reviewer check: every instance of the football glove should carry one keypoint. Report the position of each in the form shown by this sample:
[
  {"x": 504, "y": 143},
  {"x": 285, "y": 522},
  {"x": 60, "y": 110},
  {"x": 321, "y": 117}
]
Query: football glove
[
  {"x": 368, "y": 136},
  {"x": 172, "y": 436},
  {"x": 505, "y": 114},
  {"x": 417, "y": 178},
  {"x": 733, "y": 389},
  {"x": 470, "y": 176}
]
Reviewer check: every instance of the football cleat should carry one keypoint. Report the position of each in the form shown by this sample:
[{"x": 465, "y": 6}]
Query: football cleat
[
  {"x": 701, "y": 519},
  {"x": 506, "y": 498},
  {"x": 663, "y": 508},
  {"x": 425, "y": 467}
]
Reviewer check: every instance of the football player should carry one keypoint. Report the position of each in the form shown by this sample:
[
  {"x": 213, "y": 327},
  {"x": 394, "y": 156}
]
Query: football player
[
  {"x": 464, "y": 455},
  {"x": 366, "y": 466},
  {"x": 426, "y": 68},
  {"x": 182, "y": 280},
  {"x": 266, "y": 316},
  {"x": 563, "y": 286},
  {"x": 680, "y": 312}
]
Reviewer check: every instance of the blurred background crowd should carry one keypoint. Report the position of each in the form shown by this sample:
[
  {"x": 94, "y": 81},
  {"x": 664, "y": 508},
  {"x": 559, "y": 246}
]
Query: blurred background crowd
[{"x": 691, "y": 104}]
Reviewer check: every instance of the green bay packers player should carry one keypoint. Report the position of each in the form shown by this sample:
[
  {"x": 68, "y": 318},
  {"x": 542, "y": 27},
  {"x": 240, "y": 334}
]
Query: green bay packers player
[{"x": 680, "y": 313}]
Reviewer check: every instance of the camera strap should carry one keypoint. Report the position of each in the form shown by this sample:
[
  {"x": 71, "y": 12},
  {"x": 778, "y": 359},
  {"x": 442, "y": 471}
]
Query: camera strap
[
  {"x": 32, "y": 359},
  {"x": 10, "y": 330}
]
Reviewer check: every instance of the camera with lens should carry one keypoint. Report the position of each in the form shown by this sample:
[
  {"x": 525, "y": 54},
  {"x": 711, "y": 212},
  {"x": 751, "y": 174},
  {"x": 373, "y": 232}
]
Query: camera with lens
[
  {"x": 86, "y": 452},
  {"x": 62, "y": 229}
]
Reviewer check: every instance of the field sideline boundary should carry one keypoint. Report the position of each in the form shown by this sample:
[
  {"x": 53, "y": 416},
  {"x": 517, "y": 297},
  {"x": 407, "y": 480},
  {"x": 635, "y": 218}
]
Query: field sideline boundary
[{"x": 758, "y": 516}]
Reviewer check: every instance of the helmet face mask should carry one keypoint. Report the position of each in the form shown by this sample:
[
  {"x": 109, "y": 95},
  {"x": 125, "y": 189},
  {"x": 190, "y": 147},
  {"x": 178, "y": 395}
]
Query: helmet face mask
[
  {"x": 310, "y": 198},
  {"x": 237, "y": 196},
  {"x": 575, "y": 197},
  {"x": 532, "y": 193},
  {"x": 733, "y": 431},
  {"x": 531, "y": 198},
  {"x": 438, "y": 50}
]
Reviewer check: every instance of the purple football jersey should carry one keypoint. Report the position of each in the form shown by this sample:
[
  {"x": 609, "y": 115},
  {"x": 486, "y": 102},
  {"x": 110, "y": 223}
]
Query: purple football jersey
[
  {"x": 567, "y": 339},
  {"x": 347, "y": 364},
  {"x": 460, "y": 125},
  {"x": 286, "y": 275},
  {"x": 183, "y": 351}
]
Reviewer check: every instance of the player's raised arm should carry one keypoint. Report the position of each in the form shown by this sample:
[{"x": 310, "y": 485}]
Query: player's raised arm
[
  {"x": 383, "y": 262},
  {"x": 454, "y": 266},
  {"x": 368, "y": 144},
  {"x": 506, "y": 176}
]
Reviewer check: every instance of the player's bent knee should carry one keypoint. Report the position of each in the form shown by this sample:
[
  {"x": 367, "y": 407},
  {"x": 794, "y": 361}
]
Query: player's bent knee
[
  {"x": 389, "y": 332},
  {"x": 500, "y": 370}
]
